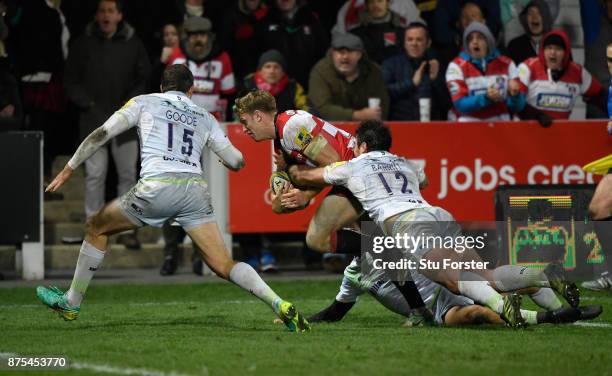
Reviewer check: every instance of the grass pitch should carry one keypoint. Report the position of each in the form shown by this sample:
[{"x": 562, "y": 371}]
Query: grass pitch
[{"x": 218, "y": 329}]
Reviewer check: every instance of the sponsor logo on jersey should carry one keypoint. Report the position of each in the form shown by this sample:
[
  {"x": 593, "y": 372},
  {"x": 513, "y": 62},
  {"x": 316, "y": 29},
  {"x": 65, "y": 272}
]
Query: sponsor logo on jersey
[
  {"x": 183, "y": 161},
  {"x": 303, "y": 138},
  {"x": 552, "y": 101}
]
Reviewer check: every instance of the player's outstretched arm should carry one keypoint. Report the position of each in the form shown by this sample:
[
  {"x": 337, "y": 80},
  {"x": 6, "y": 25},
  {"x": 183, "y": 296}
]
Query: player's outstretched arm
[
  {"x": 60, "y": 179},
  {"x": 115, "y": 125},
  {"x": 307, "y": 176},
  {"x": 231, "y": 158}
]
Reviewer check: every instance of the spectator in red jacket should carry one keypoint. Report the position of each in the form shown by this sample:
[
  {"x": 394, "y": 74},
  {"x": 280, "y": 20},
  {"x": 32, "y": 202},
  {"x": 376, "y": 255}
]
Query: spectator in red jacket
[
  {"x": 479, "y": 79},
  {"x": 214, "y": 84},
  {"x": 552, "y": 82}
]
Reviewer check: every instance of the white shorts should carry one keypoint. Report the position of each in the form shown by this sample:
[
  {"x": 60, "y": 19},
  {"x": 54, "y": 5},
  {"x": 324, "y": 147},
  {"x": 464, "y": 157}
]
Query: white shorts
[
  {"x": 430, "y": 221},
  {"x": 183, "y": 197}
]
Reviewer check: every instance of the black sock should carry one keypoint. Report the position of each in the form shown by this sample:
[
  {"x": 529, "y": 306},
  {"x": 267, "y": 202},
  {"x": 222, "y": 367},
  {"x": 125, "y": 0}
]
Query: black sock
[
  {"x": 410, "y": 292},
  {"x": 335, "y": 312},
  {"x": 561, "y": 315},
  {"x": 347, "y": 241}
]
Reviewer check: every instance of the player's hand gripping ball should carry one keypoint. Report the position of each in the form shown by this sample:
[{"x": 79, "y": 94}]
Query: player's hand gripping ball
[{"x": 277, "y": 180}]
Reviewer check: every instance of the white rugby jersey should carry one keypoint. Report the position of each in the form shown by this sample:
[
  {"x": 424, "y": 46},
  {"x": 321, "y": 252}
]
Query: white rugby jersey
[
  {"x": 384, "y": 184},
  {"x": 173, "y": 132}
]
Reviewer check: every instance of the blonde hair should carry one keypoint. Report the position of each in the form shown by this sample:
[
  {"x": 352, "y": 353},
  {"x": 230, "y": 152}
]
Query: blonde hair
[{"x": 255, "y": 100}]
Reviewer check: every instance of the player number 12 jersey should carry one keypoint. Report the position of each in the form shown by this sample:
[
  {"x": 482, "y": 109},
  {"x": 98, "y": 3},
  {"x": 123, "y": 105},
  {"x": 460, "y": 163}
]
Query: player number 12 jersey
[{"x": 384, "y": 184}]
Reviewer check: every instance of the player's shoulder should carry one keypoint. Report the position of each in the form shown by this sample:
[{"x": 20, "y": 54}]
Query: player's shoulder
[
  {"x": 138, "y": 100},
  {"x": 291, "y": 121}
]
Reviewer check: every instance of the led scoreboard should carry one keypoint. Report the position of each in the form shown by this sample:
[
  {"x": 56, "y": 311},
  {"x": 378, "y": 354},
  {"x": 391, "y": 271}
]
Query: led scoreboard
[{"x": 539, "y": 224}]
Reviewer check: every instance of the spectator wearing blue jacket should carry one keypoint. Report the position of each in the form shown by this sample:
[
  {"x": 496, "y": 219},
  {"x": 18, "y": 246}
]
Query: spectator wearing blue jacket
[{"x": 414, "y": 74}]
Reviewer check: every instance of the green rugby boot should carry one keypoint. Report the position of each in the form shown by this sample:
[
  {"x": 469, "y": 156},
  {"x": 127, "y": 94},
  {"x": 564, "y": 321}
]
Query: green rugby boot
[
  {"x": 512, "y": 311},
  {"x": 294, "y": 321},
  {"x": 55, "y": 299}
]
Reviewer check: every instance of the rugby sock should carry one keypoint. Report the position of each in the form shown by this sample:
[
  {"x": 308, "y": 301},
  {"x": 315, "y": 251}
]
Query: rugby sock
[
  {"x": 530, "y": 317},
  {"x": 346, "y": 241},
  {"x": 479, "y": 290},
  {"x": 546, "y": 298},
  {"x": 335, "y": 312},
  {"x": 246, "y": 277},
  {"x": 512, "y": 277},
  {"x": 89, "y": 259}
]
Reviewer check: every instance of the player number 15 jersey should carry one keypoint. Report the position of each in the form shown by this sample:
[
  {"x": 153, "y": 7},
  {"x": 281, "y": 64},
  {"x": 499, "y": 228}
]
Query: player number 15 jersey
[{"x": 173, "y": 132}]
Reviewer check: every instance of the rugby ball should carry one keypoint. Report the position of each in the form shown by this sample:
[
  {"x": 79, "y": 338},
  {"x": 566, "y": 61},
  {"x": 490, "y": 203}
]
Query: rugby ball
[{"x": 277, "y": 179}]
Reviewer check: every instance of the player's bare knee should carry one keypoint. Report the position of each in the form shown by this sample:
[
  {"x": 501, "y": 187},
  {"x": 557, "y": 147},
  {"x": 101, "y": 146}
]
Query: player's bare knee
[
  {"x": 92, "y": 226},
  {"x": 317, "y": 241}
]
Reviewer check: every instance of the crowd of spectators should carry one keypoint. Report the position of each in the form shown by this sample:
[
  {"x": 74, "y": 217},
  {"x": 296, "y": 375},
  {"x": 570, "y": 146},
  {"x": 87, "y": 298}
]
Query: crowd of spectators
[
  {"x": 66, "y": 65},
  {"x": 75, "y": 61}
]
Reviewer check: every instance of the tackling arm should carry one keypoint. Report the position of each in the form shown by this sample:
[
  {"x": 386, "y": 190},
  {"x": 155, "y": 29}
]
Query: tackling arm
[{"x": 307, "y": 176}]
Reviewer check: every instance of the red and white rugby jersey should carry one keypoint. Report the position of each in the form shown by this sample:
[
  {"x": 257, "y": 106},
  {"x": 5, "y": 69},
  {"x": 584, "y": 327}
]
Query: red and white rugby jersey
[
  {"x": 465, "y": 79},
  {"x": 555, "y": 98},
  {"x": 297, "y": 130},
  {"x": 211, "y": 79}
]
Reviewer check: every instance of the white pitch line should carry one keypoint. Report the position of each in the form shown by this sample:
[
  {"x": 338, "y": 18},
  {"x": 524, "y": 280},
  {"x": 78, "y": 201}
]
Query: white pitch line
[
  {"x": 594, "y": 324},
  {"x": 104, "y": 368},
  {"x": 595, "y": 298}
]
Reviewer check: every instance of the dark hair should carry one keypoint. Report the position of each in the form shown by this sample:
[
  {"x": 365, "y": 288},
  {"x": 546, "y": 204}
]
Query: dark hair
[
  {"x": 483, "y": 10},
  {"x": 417, "y": 25},
  {"x": 375, "y": 134},
  {"x": 118, "y": 4},
  {"x": 177, "y": 77}
]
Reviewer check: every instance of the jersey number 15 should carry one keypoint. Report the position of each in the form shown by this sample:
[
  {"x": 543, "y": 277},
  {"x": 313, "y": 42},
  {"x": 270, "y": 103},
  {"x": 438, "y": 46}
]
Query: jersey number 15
[{"x": 187, "y": 139}]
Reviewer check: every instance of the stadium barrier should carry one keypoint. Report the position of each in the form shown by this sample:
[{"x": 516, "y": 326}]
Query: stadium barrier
[
  {"x": 21, "y": 154},
  {"x": 465, "y": 163}
]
